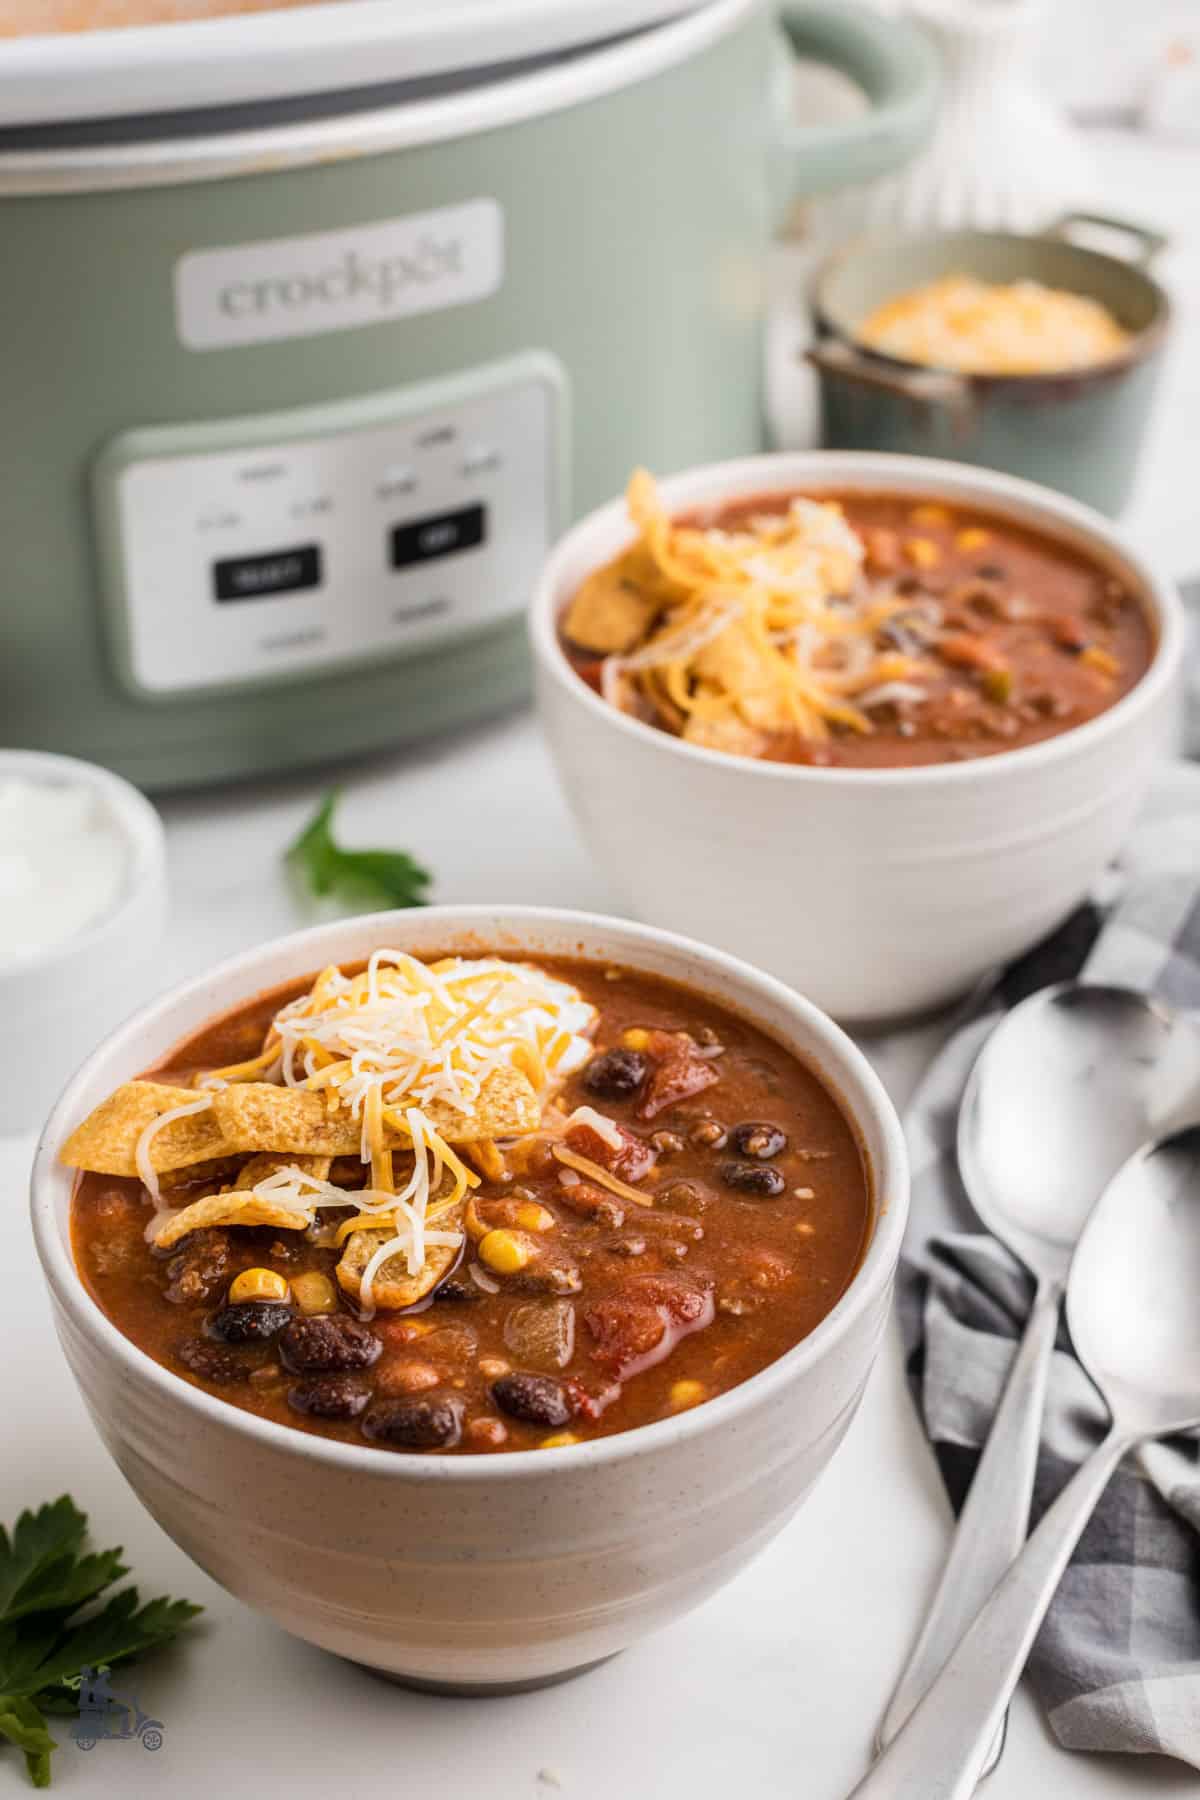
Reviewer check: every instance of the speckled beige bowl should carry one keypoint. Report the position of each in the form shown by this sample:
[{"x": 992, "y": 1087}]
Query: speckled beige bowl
[{"x": 494, "y": 1572}]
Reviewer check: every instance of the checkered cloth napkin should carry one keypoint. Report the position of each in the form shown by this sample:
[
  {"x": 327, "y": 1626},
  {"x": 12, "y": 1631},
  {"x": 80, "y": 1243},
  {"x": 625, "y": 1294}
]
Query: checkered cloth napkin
[{"x": 1117, "y": 1663}]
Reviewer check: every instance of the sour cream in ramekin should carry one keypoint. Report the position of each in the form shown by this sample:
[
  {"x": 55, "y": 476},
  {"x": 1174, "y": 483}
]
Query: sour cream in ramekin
[
  {"x": 63, "y": 862},
  {"x": 82, "y": 907}
]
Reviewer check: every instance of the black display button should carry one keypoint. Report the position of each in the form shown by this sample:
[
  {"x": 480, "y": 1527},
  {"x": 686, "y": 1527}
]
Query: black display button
[
  {"x": 271, "y": 572},
  {"x": 443, "y": 535}
]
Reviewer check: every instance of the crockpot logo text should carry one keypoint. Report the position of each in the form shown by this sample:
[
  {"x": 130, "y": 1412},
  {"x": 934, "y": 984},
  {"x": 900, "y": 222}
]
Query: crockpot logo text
[
  {"x": 336, "y": 280},
  {"x": 354, "y": 276}
]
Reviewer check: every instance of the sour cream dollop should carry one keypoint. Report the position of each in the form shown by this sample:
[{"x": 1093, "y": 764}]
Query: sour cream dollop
[{"x": 63, "y": 863}]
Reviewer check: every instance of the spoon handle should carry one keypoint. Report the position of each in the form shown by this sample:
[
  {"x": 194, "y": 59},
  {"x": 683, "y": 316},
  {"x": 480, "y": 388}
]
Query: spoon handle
[
  {"x": 993, "y": 1523},
  {"x": 940, "y": 1753}
]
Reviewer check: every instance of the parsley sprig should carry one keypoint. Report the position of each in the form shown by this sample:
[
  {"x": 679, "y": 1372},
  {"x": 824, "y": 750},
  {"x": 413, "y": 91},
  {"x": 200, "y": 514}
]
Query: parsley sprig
[
  {"x": 373, "y": 879},
  {"x": 53, "y": 1624}
]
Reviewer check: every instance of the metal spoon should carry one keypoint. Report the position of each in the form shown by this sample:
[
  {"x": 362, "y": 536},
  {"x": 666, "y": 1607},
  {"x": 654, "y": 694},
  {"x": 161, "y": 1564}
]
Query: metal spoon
[
  {"x": 1131, "y": 1305},
  {"x": 1068, "y": 1086}
]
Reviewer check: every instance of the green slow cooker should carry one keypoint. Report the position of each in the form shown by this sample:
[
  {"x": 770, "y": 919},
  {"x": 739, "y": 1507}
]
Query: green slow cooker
[{"x": 316, "y": 328}]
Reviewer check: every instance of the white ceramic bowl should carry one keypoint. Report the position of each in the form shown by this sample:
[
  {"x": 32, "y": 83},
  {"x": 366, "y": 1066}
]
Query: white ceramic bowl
[
  {"x": 494, "y": 1571},
  {"x": 877, "y": 892},
  {"x": 58, "y": 1001}
]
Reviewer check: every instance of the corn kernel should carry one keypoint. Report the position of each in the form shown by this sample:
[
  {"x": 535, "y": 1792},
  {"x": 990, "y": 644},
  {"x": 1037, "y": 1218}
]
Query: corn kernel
[
  {"x": 257, "y": 1284},
  {"x": 973, "y": 537},
  {"x": 636, "y": 1038},
  {"x": 686, "y": 1393},
  {"x": 505, "y": 1251},
  {"x": 1097, "y": 658},
  {"x": 923, "y": 553},
  {"x": 314, "y": 1293},
  {"x": 930, "y": 513},
  {"x": 532, "y": 1217},
  {"x": 557, "y": 1439}
]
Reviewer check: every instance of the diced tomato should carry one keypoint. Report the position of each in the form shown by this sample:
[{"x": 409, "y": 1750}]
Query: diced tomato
[
  {"x": 642, "y": 1323},
  {"x": 679, "y": 1072},
  {"x": 627, "y": 1332},
  {"x": 630, "y": 1163}
]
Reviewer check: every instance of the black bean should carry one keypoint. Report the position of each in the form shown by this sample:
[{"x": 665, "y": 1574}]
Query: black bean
[
  {"x": 432, "y": 1424},
  {"x": 753, "y": 1178},
  {"x": 327, "y": 1344},
  {"x": 538, "y": 1399},
  {"x": 709, "y": 1134},
  {"x": 329, "y": 1397},
  {"x": 758, "y": 1140},
  {"x": 627, "y": 1246},
  {"x": 250, "y": 1321},
  {"x": 211, "y": 1363},
  {"x": 616, "y": 1074}
]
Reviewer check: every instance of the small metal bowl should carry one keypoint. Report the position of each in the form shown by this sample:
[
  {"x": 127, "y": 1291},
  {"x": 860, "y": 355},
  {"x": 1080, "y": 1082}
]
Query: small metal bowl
[{"x": 1080, "y": 430}]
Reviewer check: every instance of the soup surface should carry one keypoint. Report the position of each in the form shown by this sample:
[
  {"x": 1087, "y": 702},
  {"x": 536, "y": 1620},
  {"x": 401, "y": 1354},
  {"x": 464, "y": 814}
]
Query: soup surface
[
  {"x": 853, "y": 630},
  {"x": 682, "y": 1203}
]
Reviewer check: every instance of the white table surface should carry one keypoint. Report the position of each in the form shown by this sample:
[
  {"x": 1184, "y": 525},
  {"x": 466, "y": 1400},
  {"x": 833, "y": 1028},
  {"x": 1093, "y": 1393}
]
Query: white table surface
[{"x": 769, "y": 1690}]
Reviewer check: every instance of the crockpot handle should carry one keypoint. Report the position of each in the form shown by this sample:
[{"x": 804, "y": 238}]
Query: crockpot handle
[
  {"x": 1147, "y": 243},
  {"x": 897, "y": 68}
]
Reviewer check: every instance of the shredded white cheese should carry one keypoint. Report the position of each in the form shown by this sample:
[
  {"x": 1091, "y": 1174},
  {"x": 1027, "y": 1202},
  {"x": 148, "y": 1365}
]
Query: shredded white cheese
[
  {"x": 147, "y": 1173},
  {"x": 403, "y": 1036}
]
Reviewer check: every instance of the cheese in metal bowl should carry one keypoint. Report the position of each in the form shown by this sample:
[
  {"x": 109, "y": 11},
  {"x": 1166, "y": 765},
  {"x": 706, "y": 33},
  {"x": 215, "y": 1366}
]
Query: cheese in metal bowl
[{"x": 976, "y": 327}]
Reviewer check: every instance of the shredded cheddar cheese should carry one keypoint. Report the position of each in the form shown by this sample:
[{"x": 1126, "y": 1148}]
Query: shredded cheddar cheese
[
  {"x": 983, "y": 328},
  {"x": 583, "y": 1165},
  {"x": 764, "y": 628}
]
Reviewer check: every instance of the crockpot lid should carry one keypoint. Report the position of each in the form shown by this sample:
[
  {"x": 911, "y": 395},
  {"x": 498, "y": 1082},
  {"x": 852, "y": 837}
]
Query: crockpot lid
[{"x": 279, "y": 55}]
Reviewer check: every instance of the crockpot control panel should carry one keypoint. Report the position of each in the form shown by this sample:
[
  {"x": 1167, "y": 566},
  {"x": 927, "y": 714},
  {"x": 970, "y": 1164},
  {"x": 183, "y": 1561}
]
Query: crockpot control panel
[{"x": 246, "y": 550}]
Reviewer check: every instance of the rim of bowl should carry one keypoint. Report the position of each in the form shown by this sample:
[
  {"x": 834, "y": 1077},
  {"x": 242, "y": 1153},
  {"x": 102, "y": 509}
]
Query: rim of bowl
[
  {"x": 134, "y": 816},
  {"x": 873, "y": 1274},
  {"x": 873, "y": 471},
  {"x": 1141, "y": 344}
]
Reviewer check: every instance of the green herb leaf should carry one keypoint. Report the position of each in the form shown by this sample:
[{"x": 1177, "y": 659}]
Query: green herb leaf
[
  {"x": 34, "y": 1657},
  {"x": 371, "y": 878},
  {"x": 41, "y": 1569},
  {"x": 47, "y": 1635},
  {"x": 23, "y": 1725}
]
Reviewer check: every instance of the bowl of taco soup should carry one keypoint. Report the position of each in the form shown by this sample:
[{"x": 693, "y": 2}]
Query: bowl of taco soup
[
  {"x": 473, "y": 1291},
  {"x": 876, "y": 721}
]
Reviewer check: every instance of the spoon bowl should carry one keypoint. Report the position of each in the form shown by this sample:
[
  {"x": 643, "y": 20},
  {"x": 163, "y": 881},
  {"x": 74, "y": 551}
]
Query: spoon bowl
[
  {"x": 1132, "y": 1303},
  {"x": 1066, "y": 1089}
]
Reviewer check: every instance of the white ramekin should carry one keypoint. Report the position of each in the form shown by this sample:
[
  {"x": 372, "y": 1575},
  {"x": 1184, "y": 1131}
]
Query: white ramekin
[
  {"x": 877, "y": 892},
  {"x": 60, "y": 1000},
  {"x": 495, "y": 1571}
]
